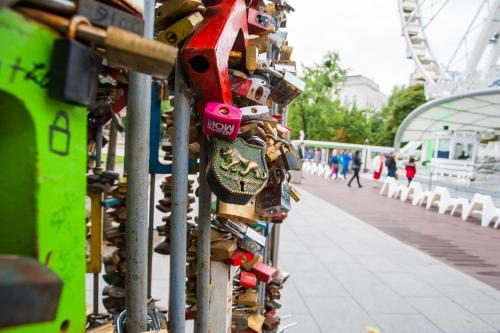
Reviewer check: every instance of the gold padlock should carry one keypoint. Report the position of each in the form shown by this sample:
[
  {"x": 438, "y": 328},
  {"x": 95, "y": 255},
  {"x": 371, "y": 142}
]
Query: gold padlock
[
  {"x": 240, "y": 213},
  {"x": 248, "y": 298},
  {"x": 177, "y": 32},
  {"x": 273, "y": 152},
  {"x": 255, "y": 322},
  {"x": 172, "y": 10},
  {"x": 252, "y": 56},
  {"x": 295, "y": 194},
  {"x": 222, "y": 250},
  {"x": 286, "y": 52}
]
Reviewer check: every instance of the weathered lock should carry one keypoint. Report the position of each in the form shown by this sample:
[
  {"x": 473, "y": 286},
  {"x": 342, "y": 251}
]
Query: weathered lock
[
  {"x": 281, "y": 277},
  {"x": 239, "y": 321},
  {"x": 275, "y": 197},
  {"x": 180, "y": 30},
  {"x": 254, "y": 113},
  {"x": 60, "y": 134},
  {"x": 171, "y": 10},
  {"x": 222, "y": 250},
  {"x": 290, "y": 158},
  {"x": 287, "y": 89},
  {"x": 248, "y": 298},
  {"x": 241, "y": 213},
  {"x": 252, "y": 57},
  {"x": 74, "y": 68},
  {"x": 221, "y": 120},
  {"x": 239, "y": 257},
  {"x": 286, "y": 51},
  {"x": 263, "y": 272},
  {"x": 253, "y": 88},
  {"x": 259, "y": 23},
  {"x": 248, "y": 239},
  {"x": 248, "y": 280},
  {"x": 252, "y": 129},
  {"x": 255, "y": 321},
  {"x": 237, "y": 171}
]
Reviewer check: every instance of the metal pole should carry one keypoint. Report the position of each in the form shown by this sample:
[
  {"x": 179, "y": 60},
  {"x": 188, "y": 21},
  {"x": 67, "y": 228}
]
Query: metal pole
[
  {"x": 178, "y": 227},
  {"x": 113, "y": 137},
  {"x": 138, "y": 116},
  {"x": 275, "y": 244},
  {"x": 98, "y": 160},
  {"x": 203, "y": 249},
  {"x": 152, "y": 185}
]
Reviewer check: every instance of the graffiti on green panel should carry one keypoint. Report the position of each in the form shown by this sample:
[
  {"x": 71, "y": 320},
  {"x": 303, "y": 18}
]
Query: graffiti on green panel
[{"x": 42, "y": 163}]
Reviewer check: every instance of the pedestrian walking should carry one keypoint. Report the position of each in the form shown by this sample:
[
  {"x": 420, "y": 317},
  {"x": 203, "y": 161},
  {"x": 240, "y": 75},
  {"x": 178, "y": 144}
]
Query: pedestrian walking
[
  {"x": 356, "y": 167},
  {"x": 377, "y": 167},
  {"x": 411, "y": 170},
  {"x": 334, "y": 165},
  {"x": 391, "y": 166},
  {"x": 345, "y": 159}
]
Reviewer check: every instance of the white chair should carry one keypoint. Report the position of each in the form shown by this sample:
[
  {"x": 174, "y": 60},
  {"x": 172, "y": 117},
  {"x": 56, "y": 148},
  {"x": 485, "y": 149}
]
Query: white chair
[
  {"x": 314, "y": 168},
  {"x": 389, "y": 187},
  {"x": 399, "y": 191},
  {"x": 424, "y": 197},
  {"x": 321, "y": 170},
  {"x": 441, "y": 198},
  {"x": 328, "y": 171},
  {"x": 482, "y": 204},
  {"x": 462, "y": 203},
  {"x": 414, "y": 190},
  {"x": 306, "y": 166}
]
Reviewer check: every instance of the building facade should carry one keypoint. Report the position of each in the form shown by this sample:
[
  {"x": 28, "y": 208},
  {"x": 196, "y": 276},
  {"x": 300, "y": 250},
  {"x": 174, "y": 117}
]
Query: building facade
[{"x": 362, "y": 92}]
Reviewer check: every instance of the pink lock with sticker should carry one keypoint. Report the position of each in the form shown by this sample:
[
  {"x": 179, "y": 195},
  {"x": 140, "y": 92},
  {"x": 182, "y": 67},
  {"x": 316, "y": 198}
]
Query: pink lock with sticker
[{"x": 221, "y": 120}]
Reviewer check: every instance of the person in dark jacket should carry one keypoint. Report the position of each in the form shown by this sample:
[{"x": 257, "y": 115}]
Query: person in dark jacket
[
  {"x": 390, "y": 163},
  {"x": 356, "y": 167}
]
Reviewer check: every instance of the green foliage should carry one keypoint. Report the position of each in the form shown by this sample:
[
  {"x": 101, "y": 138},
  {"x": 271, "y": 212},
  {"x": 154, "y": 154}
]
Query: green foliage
[{"x": 323, "y": 118}]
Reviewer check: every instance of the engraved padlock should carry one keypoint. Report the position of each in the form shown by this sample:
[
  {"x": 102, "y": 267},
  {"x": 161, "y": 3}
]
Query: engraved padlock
[
  {"x": 59, "y": 134},
  {"x": 221, "y": 120}
]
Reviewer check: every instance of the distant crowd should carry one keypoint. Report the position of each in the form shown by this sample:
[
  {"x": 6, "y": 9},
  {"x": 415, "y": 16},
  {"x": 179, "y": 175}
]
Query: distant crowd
[{"x": 343, "y": 161}]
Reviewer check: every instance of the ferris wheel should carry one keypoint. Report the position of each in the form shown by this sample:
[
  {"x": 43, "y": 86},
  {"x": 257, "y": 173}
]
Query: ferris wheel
[{"x": 454, "y": 44}]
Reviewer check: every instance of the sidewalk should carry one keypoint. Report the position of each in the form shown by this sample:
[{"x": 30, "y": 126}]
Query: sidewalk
[{"x": 347, "y": 275}]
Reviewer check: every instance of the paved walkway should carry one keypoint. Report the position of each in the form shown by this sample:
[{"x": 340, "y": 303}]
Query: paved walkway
[{"x": 347, "y": 275}]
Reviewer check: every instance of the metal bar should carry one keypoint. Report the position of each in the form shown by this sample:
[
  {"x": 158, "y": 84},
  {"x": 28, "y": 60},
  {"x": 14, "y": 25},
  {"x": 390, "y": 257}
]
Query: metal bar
[
  {"x": 203, "y": 249},
  {"x": 138, "y": 115},
  {"x": 113, "y": 137},
  {"x": 152, "y": 186},
  {"x": 96, "y": 294},
  {"x": 275, "y": 244},
  {"x": 178, "y": 227},
  {"x": 98, "y": 145}
]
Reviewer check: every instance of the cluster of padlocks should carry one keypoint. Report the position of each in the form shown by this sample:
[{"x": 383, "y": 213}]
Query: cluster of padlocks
[
  {"x": 240, "y": 79},
  {"x": 238, "y": 65}
]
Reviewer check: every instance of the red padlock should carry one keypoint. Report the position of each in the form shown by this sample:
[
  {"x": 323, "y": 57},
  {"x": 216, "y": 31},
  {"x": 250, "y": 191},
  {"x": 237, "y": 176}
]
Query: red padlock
[
  {"x": 239, "y": 257},
  {"x": 206, "y": 53},
  {"x": 263, "y": 272},
  {"x": 221, "y": 120},
  {"x": 248, "y": 280},
  {"x": 259, "y": 23}
]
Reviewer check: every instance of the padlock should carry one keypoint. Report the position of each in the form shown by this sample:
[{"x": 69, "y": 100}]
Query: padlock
[
  {"x": 221, "y": 120},
  {"x": 73, "y": 74},
  {"x": 237, "y": 171},
  {"x": 248, "y": 298},
  {"x": 285, "y": 66},
  {"x": 254, "y": 113},
  {"x": 295, "y": 194},
  {"x": 222, "y": 250},
  {"x": 60, "y": 134},
  {"x": 275, "y": 197},
  {"x": 263, "y": 272},
  {"x": 239, "y": 321},
  {"x": 286, "y": 52},
  {"x": 290, "y": 158},
  {"x": 247, "y": 266},
  {"x": 281, "y": 277},
  {"x": 255, "y": 321},
  {"x": 287, "y": 89},
  {"x": 255, "y": 89},
  {"x": 248, "y": 239},
  {"x": 241, "y": 213},
  {"x": 248, "y": 280},
  {"x": 259, "y": 23},
  {"x": 206, "y": 53},
  {"x": 239, "y": 257},
  {"x": 274, "y": 151},
  {"x": 252, "y": 129},
  {"x": 252, "y": 57},
  {"x": 271, "y": 323},
  {"x": 171, "y": 10},
  {"x": 180, "y": 30}
]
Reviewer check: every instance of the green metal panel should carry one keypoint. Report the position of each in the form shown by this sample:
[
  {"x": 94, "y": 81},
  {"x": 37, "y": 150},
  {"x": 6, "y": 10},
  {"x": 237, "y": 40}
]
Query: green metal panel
[{"x": 42, "y": 168}]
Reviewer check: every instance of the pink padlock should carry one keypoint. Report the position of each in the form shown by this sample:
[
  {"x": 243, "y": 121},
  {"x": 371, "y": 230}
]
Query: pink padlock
[{"x": 221, "y": 120}]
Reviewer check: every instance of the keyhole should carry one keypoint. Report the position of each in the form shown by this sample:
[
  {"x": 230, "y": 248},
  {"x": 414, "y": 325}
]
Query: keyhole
[{"x": 242, "y": 185}]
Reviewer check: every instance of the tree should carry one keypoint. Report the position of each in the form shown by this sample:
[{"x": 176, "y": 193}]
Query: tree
[{"x": 314, "y": 110}]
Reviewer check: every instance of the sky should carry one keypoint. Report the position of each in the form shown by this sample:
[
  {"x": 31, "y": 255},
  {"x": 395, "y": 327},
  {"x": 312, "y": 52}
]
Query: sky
[{"x": 367, "y": 35}]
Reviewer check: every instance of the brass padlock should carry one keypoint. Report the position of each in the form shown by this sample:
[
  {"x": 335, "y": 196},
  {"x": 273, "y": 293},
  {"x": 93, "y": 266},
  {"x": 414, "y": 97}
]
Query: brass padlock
[
  {"x": 172, "y": 10},
  {"x": 252, "y": 57},
  {"x": 286, "y": 52},
  {"x": 241, "y": 213},
  {"x": 222, "y": 250},
  {"x": 248, "y": 298},
  {"x": 255, "y": 321},
  {"x": 179, "y": 31}
]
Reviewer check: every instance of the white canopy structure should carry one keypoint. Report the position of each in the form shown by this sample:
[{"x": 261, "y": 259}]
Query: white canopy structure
[{"x": 477, "y": 110}]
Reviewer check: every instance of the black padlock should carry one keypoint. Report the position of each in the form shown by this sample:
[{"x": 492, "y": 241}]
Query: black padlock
[
  {"x": 291, "y": 159},
  {"x": 73, "y": 73},
  {"x": 59, "y": 134}
]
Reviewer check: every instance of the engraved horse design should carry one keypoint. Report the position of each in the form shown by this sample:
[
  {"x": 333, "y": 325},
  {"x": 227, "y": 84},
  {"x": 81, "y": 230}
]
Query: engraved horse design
[{"x": 236, "y": 159}]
